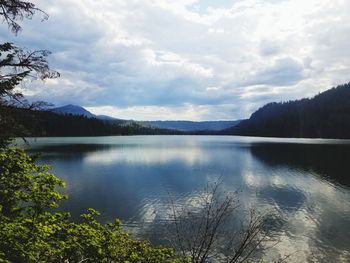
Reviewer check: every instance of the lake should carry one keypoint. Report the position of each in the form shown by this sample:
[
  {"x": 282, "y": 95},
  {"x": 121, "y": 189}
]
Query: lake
[{"x": 305, "y": 181}]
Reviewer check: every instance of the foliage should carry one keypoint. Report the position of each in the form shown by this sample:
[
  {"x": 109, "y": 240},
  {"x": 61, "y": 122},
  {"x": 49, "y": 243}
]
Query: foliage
[
  {"x": 16, "y": 65},
  {"x": 25, "y": 186},
  {"x": 31, "y": 232},
  {"x": 327, "y": 115}
]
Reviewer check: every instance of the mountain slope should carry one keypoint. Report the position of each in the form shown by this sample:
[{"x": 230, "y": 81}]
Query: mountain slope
[
  {"x": 80, "y": 111},
  {"x": 36, "y": 123},
  {"x": 189, "y": 126},
  {"x": 186, "y": 126},
  {"x": 74, "y": 110},
  {"x": 326, "y": 115}
]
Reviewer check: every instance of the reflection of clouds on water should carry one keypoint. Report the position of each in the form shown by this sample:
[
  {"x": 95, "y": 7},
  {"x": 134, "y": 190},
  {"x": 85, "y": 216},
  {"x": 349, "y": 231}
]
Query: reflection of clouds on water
[
  {"x": 148, "y": 155},
  {"x": 303, "y": 236},
  {"x": 312, "y": 210},
  {"x": 162, "y": 209},
  {"x": 129, "y": 177},
  {"x": 252, "y": 180},
  {"x": 328, "y": 162}
]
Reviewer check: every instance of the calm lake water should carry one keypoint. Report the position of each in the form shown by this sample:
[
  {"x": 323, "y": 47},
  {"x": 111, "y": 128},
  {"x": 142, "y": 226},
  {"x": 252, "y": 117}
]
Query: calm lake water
[{"x": 305, "y": 181}]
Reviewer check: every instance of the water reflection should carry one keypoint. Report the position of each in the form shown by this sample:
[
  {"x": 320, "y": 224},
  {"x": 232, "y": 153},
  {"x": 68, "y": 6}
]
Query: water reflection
[
  {"x": 131, "y": 178},
  {"x": 155, "y": 155},
  {"x": 311, "y": 190},
  {"x": 284, "y": 198},
  {"x": 330, "y": 161}
]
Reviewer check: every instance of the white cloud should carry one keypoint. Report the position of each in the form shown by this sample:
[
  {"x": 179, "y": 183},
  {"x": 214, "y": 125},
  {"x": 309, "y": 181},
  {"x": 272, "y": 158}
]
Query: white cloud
[
  {"x": 166, "y": 55},
  {"x": 183, "y": 112}
]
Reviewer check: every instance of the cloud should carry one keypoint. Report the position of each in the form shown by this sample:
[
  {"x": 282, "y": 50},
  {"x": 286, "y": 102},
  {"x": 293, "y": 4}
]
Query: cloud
[
  {"x": 283, "y": 72},
  {"x": 269, "y": 47},
  {"x": 182, "y": 112},
  {"x": 227, "y": 57}
]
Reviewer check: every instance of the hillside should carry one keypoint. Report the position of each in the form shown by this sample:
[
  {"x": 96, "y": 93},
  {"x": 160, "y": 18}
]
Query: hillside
[
  {"x": 80, "y": 111},
  {"x": 47, "y": 123},
  {"x": 74, "y": 110},
  {"x": 185, "y": 126},
  {"x": 190, "y": 126},
  {"x": 327, "y": 115}
]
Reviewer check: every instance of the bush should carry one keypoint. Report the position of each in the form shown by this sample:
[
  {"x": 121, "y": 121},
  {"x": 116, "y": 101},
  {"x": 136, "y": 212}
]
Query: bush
[{"x": 31, "y": 232}]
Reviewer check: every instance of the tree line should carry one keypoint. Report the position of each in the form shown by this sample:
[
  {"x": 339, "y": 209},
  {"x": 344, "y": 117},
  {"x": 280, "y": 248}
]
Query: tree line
[
  {"x": 38, "y": 123},
  {"x": 327, "y": 115}
]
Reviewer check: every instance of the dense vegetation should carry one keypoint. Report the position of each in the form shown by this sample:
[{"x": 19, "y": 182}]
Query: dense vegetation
[
  {"x": 184, "y": 126},
  {"x": 46, "y": 123},
  {"x": 193, "y": 126},
  {"x": 31, "y": 231},
  {"x": 326, "y": 115}
]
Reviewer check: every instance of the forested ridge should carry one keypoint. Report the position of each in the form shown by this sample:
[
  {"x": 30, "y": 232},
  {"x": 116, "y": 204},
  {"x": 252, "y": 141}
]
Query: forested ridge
[
  {"x": 193, "y": 126},
  {"x": 39, "y": 123},
  {"x": 327, "y": 115}
]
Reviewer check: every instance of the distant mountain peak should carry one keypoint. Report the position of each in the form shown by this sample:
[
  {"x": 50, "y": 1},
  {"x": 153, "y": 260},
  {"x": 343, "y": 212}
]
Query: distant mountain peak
[
  {"x": 74, "y": 110},
  {"x": 185, "y": 126},
  {"x": 81, "y": 111}
]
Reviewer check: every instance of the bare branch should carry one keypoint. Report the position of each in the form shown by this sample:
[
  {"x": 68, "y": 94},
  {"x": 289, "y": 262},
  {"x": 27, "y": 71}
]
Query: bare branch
[
  {"x": 202, "y": 231},
  {"x": 13, "y": 11},
  {"x": 16, "y": 64}
]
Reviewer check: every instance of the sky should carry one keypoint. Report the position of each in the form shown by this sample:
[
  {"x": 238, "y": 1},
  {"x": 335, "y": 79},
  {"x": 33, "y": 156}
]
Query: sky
[{"x": 187, "y": 59}]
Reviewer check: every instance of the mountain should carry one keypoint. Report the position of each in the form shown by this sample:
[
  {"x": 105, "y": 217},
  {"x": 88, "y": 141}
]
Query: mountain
[
  {"x": 327, "y": 115},
  {"x": 36, "y": 123},
  {"x": 74, "y": 110},
  {"x": 107, "y": 118},
  {"x": 190, "y": 126},
  {"x": 80, "y": 111},
  {"x": 186, "y": 126}
]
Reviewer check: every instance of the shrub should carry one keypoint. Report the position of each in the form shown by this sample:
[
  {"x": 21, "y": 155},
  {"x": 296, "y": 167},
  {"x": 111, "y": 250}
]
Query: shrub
[{"x": 31, "y": 232}]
